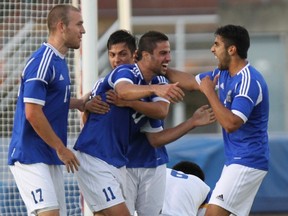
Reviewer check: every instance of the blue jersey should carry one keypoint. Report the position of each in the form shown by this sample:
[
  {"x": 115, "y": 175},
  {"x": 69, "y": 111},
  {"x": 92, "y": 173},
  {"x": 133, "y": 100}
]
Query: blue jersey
[
  {"x": 107, "y": 136},
  {"x": 140, "y": 153},
  {"x": 246, "y": 95},
  {"x": 44, "y": 81}
]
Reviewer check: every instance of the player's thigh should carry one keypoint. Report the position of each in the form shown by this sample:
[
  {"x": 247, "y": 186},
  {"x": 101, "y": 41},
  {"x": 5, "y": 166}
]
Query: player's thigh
[
  {"x": 49, "y": 213},
  {"x": 215, "y": 210},
  {"x": 236, "y": 189},
  {"x": 151, "y": 191},
  {"x": 41, "y": 186},
  {"x": 101, "y": 184},
  {"x": 132, "y": 185},
  {"x": 116, "y": 210}
]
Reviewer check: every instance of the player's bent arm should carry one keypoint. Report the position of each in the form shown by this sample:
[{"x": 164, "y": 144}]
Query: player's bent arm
[
  {"x": 85, "y": 116},
  {"x": 95, "y": 105},
  {"x": 128, "y": 91},
  {"x": 79, "y": 104},
  {"x": 169, "y": 135},
  {"x": 186, "y": 81},
  {"x": 155, "y": 110},
  {"x": 39, "y": 122},
  {"x": 202, "y": 116},
  {"x": 228, "y": 120}
]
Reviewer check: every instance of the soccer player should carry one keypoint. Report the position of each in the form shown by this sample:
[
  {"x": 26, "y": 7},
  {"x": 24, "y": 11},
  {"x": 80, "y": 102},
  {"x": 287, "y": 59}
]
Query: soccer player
[
  {"x": 185, "y": 191},
  {"x": 38, "y": 145},
  {"x": 146, "y": 176},
  {"x": 103, "y": 142},
  {"x": 146, "y": 153},
  {"x": 241, "y": 106}
]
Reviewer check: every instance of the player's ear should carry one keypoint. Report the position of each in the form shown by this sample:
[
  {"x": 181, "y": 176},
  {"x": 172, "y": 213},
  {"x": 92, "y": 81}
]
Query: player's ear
[
  {"x": 145, "y": 55},
  {"x": 135, "y": 56},
  {"x": 232, "y": 50}
]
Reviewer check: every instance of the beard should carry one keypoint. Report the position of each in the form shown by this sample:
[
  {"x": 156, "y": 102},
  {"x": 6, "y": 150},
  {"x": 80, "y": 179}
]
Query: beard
[
  {"x": 224, "y": 64},
  {"x": 73, "y": 44}
]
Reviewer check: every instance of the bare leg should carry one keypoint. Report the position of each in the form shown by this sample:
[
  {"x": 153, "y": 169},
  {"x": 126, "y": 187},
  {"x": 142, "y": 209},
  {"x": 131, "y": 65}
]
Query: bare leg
[
  {"x": 117, "y": 210},
  {"x": 50, "y": 213},
  {"x": 214, "y": 210}
]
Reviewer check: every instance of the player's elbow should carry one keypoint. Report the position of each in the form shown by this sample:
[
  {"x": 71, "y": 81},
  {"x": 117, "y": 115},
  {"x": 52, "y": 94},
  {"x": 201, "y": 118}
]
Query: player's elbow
[
  {"x": 155, "y": 144},
  {"x": 162, "y": 110},
  {"x": 30, "y": 115},
  {"x": 153, "y": 140},
  {"x": 124, "y": 91},
  {"x": 230, "y": 128},
  {"x": 232, "y": 124},
  {"x": 162, "y": 114}
]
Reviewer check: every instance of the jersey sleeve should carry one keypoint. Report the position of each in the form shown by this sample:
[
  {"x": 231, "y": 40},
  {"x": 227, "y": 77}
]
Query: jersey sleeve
[
  {"x": 121, "y": 74},
  {"x": 36, "y": 76},
  {"x": 152, "y": 126},
  {"x": 211, "y": 74},
  {"x": 247, "y": 96},
  {"x": 159, "y": 80}
]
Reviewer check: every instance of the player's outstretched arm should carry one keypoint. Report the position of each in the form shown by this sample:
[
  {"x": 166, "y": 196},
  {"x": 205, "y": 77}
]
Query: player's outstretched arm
[
  {"x": 202, "y": 116},
  {"x": 156, "y": 110},
  {"x": 186, "y": 80},
  {"x": 128, "y": 91},
  {"x": 95, "y": 105},
  {"x": 79, "y": 103}
]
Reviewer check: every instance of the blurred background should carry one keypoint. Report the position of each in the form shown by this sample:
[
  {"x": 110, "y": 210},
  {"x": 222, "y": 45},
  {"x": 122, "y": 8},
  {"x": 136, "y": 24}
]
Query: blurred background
[{"x": 190, "y": 26}]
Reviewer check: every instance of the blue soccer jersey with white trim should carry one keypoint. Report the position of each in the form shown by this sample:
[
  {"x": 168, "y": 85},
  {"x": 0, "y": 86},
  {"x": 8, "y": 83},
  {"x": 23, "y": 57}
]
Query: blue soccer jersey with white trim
[
  {"x": 141, "y": 154},
  {"x": 107, "y": 136},
  {"x": 45, "y": 81},
  {"x": 246, "y": 95}
]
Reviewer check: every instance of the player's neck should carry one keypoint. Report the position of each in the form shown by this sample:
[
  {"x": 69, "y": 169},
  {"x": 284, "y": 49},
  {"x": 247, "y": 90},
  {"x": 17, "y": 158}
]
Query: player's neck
[
  {"x": 58, "y": 44},
  {"x": 146, "y": 72},
  {"x": 236, "y": 66}
]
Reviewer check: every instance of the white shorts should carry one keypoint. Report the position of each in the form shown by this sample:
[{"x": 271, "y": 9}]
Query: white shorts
[
  {"x": 41, "y": 187},
  {"x": 236, "y": 189},
  {"x": 146, "y": 190},
  {"x": 101, "y": 184}
]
